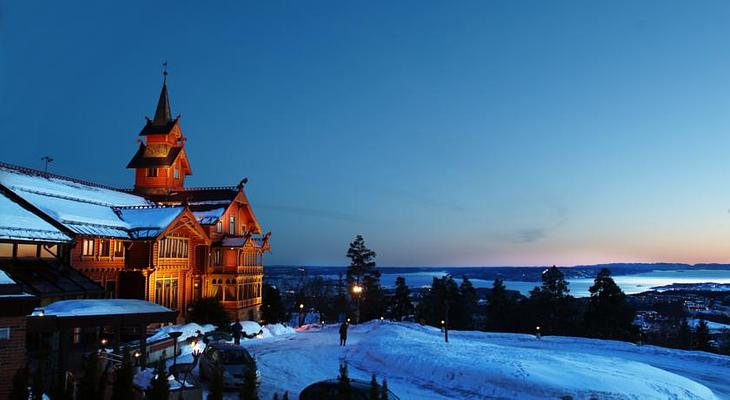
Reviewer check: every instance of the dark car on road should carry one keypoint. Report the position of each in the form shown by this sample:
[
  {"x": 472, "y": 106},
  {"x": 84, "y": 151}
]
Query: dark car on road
[{"x": 233, "y": 360}]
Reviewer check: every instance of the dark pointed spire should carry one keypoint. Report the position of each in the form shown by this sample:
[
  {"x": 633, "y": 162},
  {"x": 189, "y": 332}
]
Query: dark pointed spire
[{"x": 163, "y": 115}]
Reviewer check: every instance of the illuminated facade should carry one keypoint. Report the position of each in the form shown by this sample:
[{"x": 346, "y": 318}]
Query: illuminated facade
[{"x": 162, "y": 241}]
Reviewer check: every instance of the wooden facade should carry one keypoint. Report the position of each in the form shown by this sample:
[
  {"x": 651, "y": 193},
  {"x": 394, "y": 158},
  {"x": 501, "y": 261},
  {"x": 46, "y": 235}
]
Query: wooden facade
[{"x": 161, "y": 242}]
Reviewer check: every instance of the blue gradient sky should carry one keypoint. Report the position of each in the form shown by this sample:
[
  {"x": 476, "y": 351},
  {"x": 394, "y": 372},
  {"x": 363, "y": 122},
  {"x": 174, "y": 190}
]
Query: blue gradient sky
[{"x": 447, "y": 133}]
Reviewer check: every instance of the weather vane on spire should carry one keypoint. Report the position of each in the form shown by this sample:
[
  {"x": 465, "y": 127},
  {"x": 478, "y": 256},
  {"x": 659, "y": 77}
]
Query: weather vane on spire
[{"x": 164, "y": 70}]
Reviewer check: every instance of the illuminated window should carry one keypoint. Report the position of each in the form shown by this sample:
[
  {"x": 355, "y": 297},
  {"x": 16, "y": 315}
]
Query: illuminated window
[
  {"x": 151, "y": 172},
  {"x": 49, "y": 251},
  {"x": 173, "y": 247},
  {"x": 88, "y": 249},
  {"x": 232, "y": 225},
  {"x": 27, "y": 251},
  {"x": 217, "y": 257},
  {"x": 166, "y": 292},
  {"x": 219, "y": 226},
  {"x": 176, "y": 173},
  {"x": 6, "y": 250},
  {"x": 104, "y": 248},
  {"x": 118, "y": 248}
]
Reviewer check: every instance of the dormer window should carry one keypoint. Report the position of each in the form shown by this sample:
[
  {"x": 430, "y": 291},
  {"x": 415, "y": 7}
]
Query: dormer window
[{"x": 151, "y": 172}]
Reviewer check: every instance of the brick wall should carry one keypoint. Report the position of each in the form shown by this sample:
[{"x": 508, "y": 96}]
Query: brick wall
[{"x": 12, "y": 352}]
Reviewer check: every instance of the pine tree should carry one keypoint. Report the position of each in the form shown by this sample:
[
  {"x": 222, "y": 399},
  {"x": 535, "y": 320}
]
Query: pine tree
[
  {"x": 89, "y": 383},
  {"x": 272, "y": 307},
  {"x": 159, "y": 386},
  {"x": 20, "y": 385},
  {"x": 401, "y": 302},
  {"x": 384, "y": 390},
  {"x": 249, "y": 389},
  {"x": 124, "y": 378},
  {"x": 469, "y": 304},
  {"x": 444, "y": 294},
  {"x": 684, "y": 335},
  {"x": 374, "y": 388},
  {"x": 286, "y": 396},
  {"x": 362, "y": 272},
  {"x": 702, "y": 336},
  {"x": 609, "y": 315},
  {"x": 550, "y": 306},
  {"x": 209, "y": 310},
  {"x": 344, "y": 387},
  {"x": 500, "y": 308},
  {"x": 276, "y": 396}
]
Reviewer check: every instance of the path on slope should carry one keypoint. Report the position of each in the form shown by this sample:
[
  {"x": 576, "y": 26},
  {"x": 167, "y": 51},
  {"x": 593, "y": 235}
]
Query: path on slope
[{"x": 478, "y": 365}]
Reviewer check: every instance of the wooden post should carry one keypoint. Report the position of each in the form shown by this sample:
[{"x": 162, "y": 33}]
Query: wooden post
[{"x": 446, "y": 321}]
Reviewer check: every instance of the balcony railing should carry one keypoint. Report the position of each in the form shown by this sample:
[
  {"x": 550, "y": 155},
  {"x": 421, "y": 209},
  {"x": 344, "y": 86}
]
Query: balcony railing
[
  {"x": 242, "y": 303},
  {"x": 243, "y": 270}
]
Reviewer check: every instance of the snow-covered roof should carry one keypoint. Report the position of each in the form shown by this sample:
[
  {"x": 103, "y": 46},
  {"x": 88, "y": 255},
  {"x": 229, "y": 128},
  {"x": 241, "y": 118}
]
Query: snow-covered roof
[
  {"x": 17, "y": 223},
  {"x": 90, "y": 307},
  {"x": 148, "y": 222},
  {"x": 86, "y": 208},
  {"x": 234, "y": 241},
  {"x": 5, "y": 279},
  {"x": 209, "y": 217}
]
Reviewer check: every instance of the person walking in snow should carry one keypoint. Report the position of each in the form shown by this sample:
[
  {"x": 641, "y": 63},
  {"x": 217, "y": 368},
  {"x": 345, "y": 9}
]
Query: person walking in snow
[
  {"x": 343, "y": 334},
  {"x": 237, "y": 329}
]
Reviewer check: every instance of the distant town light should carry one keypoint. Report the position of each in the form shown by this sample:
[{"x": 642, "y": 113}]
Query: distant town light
[{"x": 301, "y": 306}]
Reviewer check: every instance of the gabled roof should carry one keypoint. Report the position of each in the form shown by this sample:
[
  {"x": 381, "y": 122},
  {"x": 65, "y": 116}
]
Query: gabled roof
[
  {"x": 208, "y": 204},
  {"x": 148, "y": 222}
]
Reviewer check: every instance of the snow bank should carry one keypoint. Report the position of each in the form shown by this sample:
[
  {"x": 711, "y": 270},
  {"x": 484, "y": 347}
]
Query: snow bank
[
  {"x": 279, "y": 329},
  {"x": 188, "y": 330}
]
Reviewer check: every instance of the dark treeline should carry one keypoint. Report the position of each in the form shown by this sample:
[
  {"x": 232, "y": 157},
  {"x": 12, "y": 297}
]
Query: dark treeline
[{"x": 606, "y": 314}]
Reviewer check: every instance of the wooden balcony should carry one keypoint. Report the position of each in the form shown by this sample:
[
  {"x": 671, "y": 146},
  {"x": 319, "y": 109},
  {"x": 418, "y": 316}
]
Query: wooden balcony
[
  {"x": 242, "y": 303},
  {"x": 237, "y": 270}
]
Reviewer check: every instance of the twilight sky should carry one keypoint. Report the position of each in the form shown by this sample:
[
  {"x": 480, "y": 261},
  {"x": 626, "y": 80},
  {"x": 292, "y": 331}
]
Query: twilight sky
[{"x": 447, "y": 133}]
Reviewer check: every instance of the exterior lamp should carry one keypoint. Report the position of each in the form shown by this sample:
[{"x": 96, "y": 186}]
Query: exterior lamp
[
  {"x": 174, "y": 335},
  {"x": 103, "y": 342},
  {"x": 301, "y": 306},
  {"x": 357, "y": 289}
]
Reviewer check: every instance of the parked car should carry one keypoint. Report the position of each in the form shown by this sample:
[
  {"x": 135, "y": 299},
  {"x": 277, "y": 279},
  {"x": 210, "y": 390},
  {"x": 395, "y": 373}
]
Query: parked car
[
  {"x": 233, "y": 359},
  {"x": 330, "y": 390}
]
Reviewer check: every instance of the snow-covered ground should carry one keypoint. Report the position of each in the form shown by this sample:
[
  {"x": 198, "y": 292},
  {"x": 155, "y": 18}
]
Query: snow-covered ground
[
  {"x": 477, "y": 365},
  {"x": 480, "y": 365}
]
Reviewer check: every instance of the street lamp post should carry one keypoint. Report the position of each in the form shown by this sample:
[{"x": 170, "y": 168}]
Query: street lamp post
[
  {"x": 357, "y": 291},
  {"x": 174, "y": 335},
  {"x": 537, "y": 332},
  {"x": 301, "y": 314}
]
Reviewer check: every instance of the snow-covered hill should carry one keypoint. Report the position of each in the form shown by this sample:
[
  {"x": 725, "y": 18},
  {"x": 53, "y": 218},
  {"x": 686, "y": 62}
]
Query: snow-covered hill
[{"x": 479, "y": 365}]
